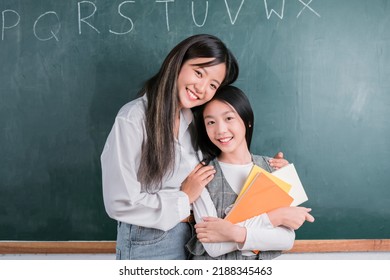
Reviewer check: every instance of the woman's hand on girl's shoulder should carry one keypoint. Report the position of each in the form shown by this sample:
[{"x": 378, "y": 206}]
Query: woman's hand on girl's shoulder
[
  {"x": 194, "y": 184},
  {"x": 278, "y": 161}
]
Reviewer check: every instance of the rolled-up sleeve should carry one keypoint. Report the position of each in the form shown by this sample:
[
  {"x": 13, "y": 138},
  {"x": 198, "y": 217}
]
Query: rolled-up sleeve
[
  {"x": 262, "y": 235},
  {"x": 122, "y": 194},
  {"x": 204, "y": 207}
]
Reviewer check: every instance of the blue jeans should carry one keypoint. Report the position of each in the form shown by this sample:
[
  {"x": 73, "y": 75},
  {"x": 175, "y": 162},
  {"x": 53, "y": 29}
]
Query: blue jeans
[{"x": 141, "y": 243}]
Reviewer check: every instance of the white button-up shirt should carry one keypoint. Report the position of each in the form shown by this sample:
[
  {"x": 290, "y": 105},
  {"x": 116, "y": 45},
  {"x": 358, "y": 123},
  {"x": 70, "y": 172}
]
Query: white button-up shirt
[{"x": 120, "y": 162}]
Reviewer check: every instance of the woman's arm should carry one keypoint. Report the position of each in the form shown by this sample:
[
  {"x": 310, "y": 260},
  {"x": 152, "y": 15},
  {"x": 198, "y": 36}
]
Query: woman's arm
[
  {"x": 122, "y": 194},
  {"x": 277, "y": 162}
]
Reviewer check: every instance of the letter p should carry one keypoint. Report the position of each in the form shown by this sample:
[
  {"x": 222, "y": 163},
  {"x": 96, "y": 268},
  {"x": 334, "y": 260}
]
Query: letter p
[{"x": 3, "y": 24}]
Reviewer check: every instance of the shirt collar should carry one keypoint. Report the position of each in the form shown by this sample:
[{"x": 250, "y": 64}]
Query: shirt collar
[
  {"x": 187, "y": 114},
  {"x": 186, "y": 117}
]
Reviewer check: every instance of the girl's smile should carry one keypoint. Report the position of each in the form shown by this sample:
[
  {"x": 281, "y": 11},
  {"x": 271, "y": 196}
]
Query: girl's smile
[{"x": 226, "y": 130}]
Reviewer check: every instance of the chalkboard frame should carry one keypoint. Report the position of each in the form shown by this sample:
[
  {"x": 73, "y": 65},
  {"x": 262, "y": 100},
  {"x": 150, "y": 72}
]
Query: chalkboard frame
[{"x": 313, "y": 75}]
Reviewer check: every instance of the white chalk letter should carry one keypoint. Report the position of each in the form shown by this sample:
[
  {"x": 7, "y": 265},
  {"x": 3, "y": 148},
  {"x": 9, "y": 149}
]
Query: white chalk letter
[
  {"x": 230, "y": 16},
  {"x": 205, "y": 17},
  {"x": 84, "y": 18},
  {"x": 269, "y": 13},
  {"x": 3, "y": 26},
  {"x": 166, "y": 9},
  {"x": 306, "y": 5},
  {"x": 53, "y": 34},
  {"x": 129, "y": 19}
]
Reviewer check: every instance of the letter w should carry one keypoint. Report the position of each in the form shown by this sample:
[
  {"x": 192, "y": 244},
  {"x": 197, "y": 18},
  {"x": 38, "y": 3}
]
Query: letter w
[{"x": 269, "y": 13}]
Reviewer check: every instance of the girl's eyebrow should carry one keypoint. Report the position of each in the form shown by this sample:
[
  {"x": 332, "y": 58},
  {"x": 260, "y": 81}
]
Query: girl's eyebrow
[{"x": 224, "y": 113}]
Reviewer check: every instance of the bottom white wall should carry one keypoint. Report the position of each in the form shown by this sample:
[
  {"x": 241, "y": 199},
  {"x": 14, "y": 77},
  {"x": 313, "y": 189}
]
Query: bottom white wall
[{"x": 301, "y": 256}]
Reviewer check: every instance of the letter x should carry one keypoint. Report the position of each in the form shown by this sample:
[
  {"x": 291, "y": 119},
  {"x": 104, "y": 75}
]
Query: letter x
[{"x": 306, "y": 5}]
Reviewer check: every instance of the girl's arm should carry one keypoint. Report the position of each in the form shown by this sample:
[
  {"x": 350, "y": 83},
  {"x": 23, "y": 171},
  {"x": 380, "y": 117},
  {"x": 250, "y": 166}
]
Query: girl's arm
[
  {"x": 271, "y": 231},
  {"x": 204, "y": 207},
  {"x": 219, "y": 236},
  {"x": 291, "y": 217},
  {"x": 256, "y": 233},
  {"x": 264, "y": 236},
  {"x": 276, "y": 224}
]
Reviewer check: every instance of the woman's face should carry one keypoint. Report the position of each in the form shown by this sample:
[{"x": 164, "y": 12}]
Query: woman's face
[{"x": 197, "y": 85}]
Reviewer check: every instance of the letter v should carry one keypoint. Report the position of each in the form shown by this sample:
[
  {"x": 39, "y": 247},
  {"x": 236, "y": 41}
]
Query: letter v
[{"x": 233, "y": 21}]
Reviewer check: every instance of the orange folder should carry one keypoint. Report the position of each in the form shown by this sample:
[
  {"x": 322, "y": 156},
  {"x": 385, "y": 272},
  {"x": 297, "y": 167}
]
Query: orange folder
[
  {"x": 261, "y": 196},
  {"x": 256, "y": 169}
]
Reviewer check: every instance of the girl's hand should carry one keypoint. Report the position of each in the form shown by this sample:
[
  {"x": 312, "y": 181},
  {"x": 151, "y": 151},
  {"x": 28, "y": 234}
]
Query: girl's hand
[
  {"x": 194, "y": 184},
  {"x": 219, "y": 230},
  {"x": 278, "y": 161},
  {"x": 292, "y": 217}
]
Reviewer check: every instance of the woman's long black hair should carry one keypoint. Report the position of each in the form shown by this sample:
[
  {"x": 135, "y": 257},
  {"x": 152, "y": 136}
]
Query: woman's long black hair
[{"x": 158, "y": 151}]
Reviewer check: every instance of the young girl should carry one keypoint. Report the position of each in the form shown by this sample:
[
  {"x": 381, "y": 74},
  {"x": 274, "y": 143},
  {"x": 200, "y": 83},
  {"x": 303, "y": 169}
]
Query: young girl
[
  {"x": 149, "y": 167},
  {"x": 225, "y": 126}
]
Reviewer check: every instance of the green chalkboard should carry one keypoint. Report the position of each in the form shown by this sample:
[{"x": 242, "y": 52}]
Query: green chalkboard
[{"x": 317, "y": 73}]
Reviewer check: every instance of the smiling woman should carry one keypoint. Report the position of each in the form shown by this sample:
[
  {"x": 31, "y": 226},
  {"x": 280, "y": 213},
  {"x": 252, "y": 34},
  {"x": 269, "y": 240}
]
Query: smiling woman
[{"x": 198, "y": 80}]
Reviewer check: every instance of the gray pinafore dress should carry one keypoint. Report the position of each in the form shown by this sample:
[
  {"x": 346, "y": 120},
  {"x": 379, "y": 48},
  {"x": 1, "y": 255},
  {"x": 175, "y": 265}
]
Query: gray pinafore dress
[{"x": 223, "y": 196}]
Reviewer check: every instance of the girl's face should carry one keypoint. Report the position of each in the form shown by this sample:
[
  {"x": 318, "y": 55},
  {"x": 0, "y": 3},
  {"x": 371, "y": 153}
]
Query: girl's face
[
  {"x": 225, "y": 128},
  {"x": 197, "y": 85}
]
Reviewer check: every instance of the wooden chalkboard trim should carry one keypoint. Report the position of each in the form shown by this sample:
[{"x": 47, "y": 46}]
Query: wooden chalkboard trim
[
  {"x": 108, "y": 247},
  {"x": 57, "y": 247},
  {"x": 342, "y": 245}
]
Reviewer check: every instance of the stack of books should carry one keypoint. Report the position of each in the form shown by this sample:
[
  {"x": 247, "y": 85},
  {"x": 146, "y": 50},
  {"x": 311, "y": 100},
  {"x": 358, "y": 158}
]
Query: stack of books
[{"x": 263, "y": 192}]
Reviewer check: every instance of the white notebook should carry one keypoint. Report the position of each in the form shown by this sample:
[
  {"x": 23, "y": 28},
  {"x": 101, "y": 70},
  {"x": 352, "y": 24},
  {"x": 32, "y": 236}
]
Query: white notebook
[{"x": 290, "y": 175}]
